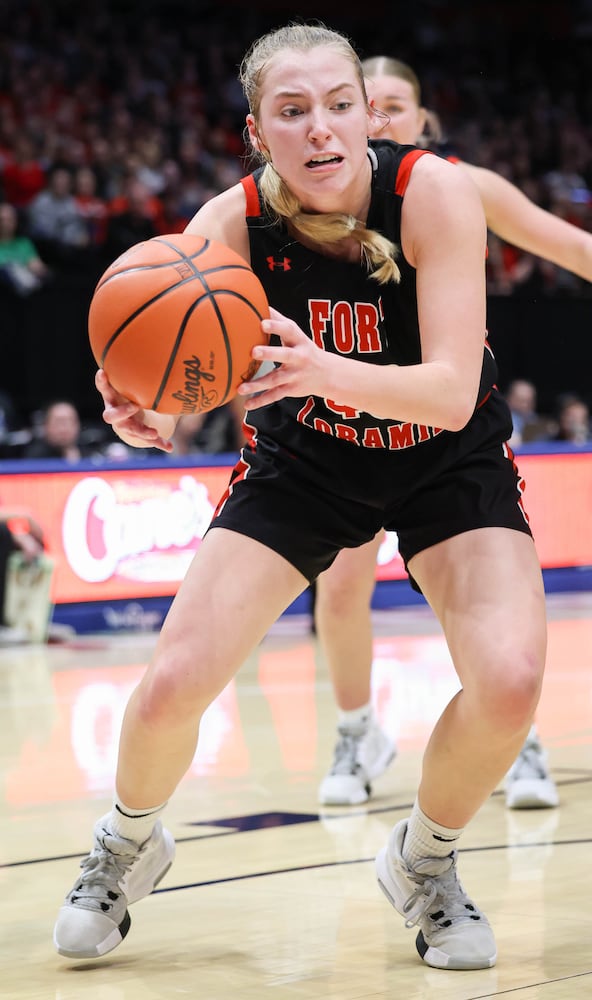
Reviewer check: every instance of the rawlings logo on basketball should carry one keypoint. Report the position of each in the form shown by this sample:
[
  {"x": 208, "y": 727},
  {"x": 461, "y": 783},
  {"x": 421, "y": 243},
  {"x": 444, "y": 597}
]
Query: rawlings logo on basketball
[{"x": 193, "y": 396}]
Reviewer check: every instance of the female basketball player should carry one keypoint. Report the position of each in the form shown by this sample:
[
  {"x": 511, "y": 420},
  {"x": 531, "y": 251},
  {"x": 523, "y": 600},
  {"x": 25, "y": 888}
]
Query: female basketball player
[
  {"x": 380, "y": 412},
  {"x": 343, "y": 593}
]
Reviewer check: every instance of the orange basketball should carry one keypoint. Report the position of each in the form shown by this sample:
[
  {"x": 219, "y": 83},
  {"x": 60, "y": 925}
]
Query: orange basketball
[{"x": 173, "y": 321}]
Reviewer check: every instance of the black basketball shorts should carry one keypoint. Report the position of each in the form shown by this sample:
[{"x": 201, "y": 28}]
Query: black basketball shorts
[{"x": 270, "y": 500}]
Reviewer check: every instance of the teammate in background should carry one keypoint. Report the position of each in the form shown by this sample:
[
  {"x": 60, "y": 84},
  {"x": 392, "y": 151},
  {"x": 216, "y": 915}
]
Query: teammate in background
[
  {"x": 344, "y": 592},
  {"x": 384, "y": 409}
]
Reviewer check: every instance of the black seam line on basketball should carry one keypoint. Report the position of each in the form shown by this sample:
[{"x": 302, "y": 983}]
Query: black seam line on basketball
[
  {"x": 165, "y": 291},
  {"x": 181, "y": 253},
  {"x": 173, "y": 354},
  {"x": 140, "y": 309},
  {"x": 197, "y": 272},
  {"x": 184, "y": 258}
]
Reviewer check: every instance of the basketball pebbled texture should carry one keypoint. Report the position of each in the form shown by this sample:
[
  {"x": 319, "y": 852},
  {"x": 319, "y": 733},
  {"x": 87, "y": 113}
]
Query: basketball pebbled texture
[{"x": 173, "y": 322}]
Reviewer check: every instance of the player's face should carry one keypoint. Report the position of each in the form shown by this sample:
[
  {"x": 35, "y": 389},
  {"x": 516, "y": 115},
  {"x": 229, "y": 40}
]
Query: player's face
[
  {"x": 313, "y": 125},
  {"x": 397, "y": 99}
]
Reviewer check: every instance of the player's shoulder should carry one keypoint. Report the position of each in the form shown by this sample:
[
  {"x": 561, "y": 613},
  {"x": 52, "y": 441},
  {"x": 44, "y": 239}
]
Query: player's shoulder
[
  {"x": 222, "y": 218},
  {"x": 435, "y": 174}
]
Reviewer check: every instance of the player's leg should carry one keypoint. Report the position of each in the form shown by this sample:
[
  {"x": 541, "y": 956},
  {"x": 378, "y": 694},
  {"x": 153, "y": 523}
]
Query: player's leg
[
  {"x": 344, "y": 629},
  {"x": 233, "y": 591},
  {"x": 486, "y": 588}
]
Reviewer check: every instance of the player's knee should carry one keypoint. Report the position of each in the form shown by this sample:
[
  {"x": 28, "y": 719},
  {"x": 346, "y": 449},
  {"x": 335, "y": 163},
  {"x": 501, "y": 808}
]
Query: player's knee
[
  {"x": 339, "y": 597},
  {"x": 175, "y": 690},
  {"x": 513, "y": 692}
]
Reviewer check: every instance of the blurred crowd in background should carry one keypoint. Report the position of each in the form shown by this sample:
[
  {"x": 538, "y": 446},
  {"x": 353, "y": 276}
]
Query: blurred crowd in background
[{"x": 119, "y": 119}]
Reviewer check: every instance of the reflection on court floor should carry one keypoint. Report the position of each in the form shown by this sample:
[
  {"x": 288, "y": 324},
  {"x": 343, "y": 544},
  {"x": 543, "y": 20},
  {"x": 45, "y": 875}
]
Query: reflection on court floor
[{"x": 269, "y": 893}]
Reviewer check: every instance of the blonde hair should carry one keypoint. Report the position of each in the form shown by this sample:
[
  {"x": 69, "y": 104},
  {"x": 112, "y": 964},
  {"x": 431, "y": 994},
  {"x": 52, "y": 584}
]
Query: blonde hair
[
  {"x": 385, "y": 66},
  {"x": 376, "y": 250}
]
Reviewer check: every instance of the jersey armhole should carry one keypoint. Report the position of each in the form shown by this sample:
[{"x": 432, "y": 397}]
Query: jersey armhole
[
  {"x": 253, "y": 206},
  {"x": 406, "y": 166}
]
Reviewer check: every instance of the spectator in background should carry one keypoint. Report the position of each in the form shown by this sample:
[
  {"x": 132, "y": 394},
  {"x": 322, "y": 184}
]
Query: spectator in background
[
  {"x": 54, "y": 220},
  {"x": 133, "y": 223},
  {"x": 573, "y": 420},
  {"x": 528, "y": 424},
  {"x": 21, "y": 267},
  {"x": 92, "y": 209},
  {"x": 23, "y": 176},
  {"x": 60, "y": 435},
  {"x": 12, "y": 433}
]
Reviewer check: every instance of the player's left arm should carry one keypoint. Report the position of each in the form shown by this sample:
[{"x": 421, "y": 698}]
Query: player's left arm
[{"x": 519, "y": 221}]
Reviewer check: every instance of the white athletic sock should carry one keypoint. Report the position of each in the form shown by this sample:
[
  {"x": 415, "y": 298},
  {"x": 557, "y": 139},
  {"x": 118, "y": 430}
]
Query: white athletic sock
[
  {"x": 133, "y": 824},
  {"x": 426, "y": 839},
  {"x": 356, "y": 716}
]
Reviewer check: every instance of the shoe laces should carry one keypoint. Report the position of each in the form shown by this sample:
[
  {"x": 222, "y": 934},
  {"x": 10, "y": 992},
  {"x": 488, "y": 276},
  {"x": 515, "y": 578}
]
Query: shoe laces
[
  {"x": 345, "y": 760},
  {"x": 443, "y": 890},
  {"x": 103, "y": 869}
]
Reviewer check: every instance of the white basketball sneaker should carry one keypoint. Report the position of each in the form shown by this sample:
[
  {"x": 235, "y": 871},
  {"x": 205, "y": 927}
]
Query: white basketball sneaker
[
  {"x": 361, "y": 754},
  {"x": 453, "y": 932},
  {"x": 94, "y": 918},
  {"x": 529, "y": 784}
]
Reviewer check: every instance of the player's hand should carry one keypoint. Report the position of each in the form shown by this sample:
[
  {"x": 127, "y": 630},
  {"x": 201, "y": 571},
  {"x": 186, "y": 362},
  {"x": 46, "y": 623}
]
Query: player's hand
[
  {"x": 303, "y": 368},
  {"x": 135, "y": 426}
]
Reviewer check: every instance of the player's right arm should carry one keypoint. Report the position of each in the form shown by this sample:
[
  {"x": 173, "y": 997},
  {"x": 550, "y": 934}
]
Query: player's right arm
[
  {"x": 222, "y": 219},
  {"x": 519, "y": 221}
]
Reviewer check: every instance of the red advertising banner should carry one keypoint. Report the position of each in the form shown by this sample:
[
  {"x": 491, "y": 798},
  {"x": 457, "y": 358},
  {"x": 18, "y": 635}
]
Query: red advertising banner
[
  {"x": 558, "y": 501},
  {"x": 118, "y": 533}
]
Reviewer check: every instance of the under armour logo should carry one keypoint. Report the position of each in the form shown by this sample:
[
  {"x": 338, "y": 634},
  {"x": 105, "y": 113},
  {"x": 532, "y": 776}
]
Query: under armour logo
[{"x": 279, "y": 263}]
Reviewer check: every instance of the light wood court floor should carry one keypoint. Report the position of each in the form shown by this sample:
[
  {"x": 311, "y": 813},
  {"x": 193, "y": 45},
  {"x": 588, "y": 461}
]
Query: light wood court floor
[{"x": 269, "y": 896}]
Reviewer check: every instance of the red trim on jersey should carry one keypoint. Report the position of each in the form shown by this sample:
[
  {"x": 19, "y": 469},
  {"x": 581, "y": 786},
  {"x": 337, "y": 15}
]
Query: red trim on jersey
[
  {"x": 252, "y": 195},
  {"x": 242, "y": 467},
  {"x": 453, "y": 159},
  {"x": 405, "y": 167},
  {"x": 521, "y": 485},
  {"x": 241, "y": 471}
]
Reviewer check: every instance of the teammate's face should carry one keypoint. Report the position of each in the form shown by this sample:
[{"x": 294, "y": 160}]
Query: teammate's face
[
  {"x": 313, "y": 125},
  {"x": 397, "y": 99}
]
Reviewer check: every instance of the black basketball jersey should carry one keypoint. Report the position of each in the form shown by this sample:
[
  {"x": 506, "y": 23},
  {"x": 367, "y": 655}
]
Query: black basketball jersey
[{"x": 346, "y": 312}]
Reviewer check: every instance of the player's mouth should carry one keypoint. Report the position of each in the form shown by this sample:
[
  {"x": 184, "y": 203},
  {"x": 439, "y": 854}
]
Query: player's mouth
[{"x": 323, "y": 160}]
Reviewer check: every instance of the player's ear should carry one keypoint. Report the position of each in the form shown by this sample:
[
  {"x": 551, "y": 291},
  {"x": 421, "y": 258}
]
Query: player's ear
[
  {"x": 254, "y": 137},
  {"x": 377, "y": 120}
]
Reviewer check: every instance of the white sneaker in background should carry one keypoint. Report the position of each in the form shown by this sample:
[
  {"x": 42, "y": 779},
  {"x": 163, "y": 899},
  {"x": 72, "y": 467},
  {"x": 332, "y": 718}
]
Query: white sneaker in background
[
  {"x": 361, "y": 754},
  {"x": 529, "y": 784}
]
